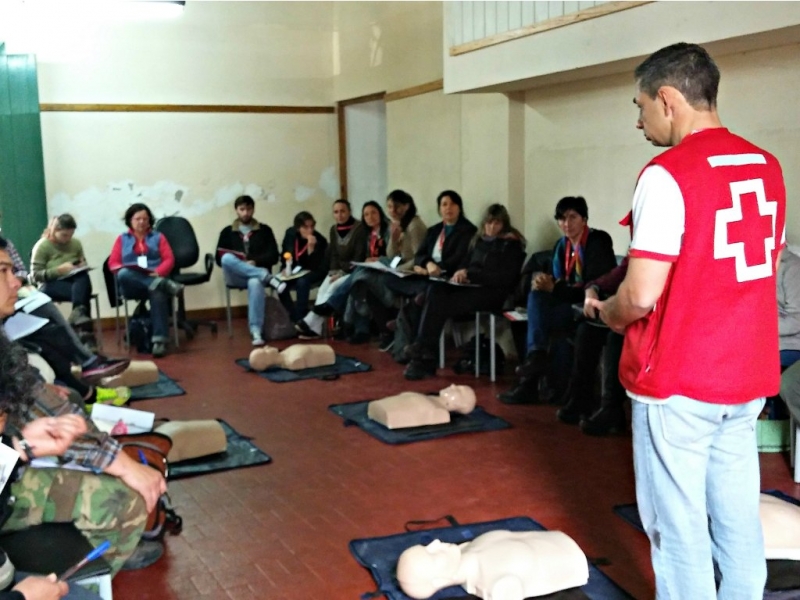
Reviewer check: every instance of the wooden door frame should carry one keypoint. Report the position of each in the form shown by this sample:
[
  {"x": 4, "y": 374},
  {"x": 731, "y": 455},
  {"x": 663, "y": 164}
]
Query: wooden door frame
[{"x": 340, "y": 106}]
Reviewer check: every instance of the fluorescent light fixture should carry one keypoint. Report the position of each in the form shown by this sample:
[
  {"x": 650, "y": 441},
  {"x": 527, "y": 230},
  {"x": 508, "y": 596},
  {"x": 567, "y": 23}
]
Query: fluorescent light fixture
[{"x": 102, "y": 10}]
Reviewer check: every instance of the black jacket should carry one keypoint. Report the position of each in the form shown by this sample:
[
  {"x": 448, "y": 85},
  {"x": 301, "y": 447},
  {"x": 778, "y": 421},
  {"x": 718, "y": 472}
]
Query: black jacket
[
  {"x": 315, "y": 262},
  {"x": 496, "y": 263},
  {"x": 262, "y": 249},
  {"x": 456, "y": 246}
]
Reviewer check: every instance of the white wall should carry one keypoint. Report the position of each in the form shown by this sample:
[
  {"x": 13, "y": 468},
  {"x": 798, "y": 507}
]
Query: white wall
[{"x": 365, "y": 124}]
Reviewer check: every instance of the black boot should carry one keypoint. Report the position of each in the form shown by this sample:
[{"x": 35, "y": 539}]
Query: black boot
[
  {"x": 420, "y": 369},
  {"x": 525, "y": 392},
  {"x": 610, "y": 419},
  {"x": 534, "y": 365},
  {"x": 575, "y": 405}
]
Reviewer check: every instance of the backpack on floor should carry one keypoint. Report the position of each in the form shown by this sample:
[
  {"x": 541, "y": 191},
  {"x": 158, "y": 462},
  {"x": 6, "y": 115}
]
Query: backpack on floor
[
  {"x": 140, "y": 333},
  {"x": 277, "y": 322}
]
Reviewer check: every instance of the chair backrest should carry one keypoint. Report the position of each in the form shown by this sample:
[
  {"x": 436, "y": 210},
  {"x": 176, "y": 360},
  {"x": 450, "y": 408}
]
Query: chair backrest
[{"x": 182, "y": 240}]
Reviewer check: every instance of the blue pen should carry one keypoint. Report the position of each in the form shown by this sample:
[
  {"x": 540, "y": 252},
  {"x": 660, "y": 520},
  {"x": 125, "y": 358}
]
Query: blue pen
[
  {"x": 94, "y": 554},
  {"x": 142, "y": 458}
]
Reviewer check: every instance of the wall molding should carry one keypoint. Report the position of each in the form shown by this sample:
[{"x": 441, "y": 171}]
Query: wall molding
[
  {"x": 188, "y": 108},
  {"x": 554, "y": 23},
  {"x": 417, "y": 90}
]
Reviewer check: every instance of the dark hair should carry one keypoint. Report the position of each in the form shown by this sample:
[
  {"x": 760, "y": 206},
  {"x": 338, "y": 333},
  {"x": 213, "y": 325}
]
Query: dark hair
[
  {"x": 3, "y": 243},
  {"x": 18, "y": 380},
  {"x": 243, "y": 201},
  {"x": 401, "y": 197},
  {"x": 686, "y": 67},
  {"x": 301, "y": 218},
  {"x": 381, "y": 215},
  {"x": 576, "y": 203},
  {"x": 138, "y": 207},
  {"x": 59, "y": 223},
  {"x": 343, "y": 201},
  {"x": 454, "y": 197},
  {"x": 497, "y": 212}
]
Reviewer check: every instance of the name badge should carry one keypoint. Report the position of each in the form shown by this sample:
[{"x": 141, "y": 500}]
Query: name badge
[{"x": 141, "y": 261}]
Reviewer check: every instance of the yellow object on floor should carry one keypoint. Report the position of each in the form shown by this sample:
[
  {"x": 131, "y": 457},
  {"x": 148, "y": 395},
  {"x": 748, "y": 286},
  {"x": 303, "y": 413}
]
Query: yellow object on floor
[{"x": 118, "y": 396}]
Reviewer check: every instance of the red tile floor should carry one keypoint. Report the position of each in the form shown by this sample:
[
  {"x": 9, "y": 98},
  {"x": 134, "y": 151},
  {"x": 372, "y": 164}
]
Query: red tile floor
[{"x": 280, "y": 531}]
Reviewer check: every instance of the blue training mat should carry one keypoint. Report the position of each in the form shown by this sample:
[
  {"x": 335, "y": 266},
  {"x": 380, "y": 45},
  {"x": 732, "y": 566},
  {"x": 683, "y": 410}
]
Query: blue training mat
[
  {"x": 241, "y": 452},
  {"x": 355, "y": 413},
  {"x": 344, "y": 365},
  {"x": 380, "y": 556},
  {"x": 162, "y": 388},
  {"x": 777, "y": 570}
]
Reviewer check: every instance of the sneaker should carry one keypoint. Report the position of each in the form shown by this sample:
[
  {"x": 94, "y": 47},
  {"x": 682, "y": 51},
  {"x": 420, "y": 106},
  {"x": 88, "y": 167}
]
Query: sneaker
[
  {"x": 147, "y": 552},
  {"x": 159, "y": 349},
  {"x": 169, "y": 286},
  {"x": 387, "y": 342},
  {"x": 118, "y": 396},
  {"x": 79, "y": 317},
  {"x": 103, "y": 367},
  {"x": 6, "y": 571},
  {"x": 258, "y": 341},
  {"x": 304, "y": 332}
]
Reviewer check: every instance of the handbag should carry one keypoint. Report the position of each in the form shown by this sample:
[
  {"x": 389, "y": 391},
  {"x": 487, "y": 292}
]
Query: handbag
[{"x": 152, "y": 449}]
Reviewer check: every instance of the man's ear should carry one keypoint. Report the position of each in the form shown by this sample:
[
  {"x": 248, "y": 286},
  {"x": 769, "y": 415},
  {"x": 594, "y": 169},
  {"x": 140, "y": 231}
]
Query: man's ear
[{"x": 671, "y": 100}]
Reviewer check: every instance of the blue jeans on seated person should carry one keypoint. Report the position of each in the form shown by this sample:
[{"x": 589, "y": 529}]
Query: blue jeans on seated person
[
  {"x": 302, "y": 287},
  {"x": 135, "y": 285},
  {"x": 545, "y": 316},
  {"x": 697, "y": 488},
  {"x": 239, "y": 273},
  {"x": 789, "y": 357},
  {"x": 77, "y": 289}
]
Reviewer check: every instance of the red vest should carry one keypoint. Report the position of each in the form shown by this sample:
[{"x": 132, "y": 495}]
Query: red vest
[{"x": 713, "y": 334}]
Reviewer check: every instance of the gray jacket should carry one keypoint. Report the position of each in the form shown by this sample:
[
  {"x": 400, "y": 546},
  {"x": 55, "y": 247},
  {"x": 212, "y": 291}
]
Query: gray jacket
[{"x": 789, "y": 300}]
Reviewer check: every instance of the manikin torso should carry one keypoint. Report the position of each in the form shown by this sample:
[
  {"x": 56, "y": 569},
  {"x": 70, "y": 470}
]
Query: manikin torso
[
  {"x": 412, "y": 409},
  {"x": 780, "y": 522},
  {"x": 294, "y": 358}
]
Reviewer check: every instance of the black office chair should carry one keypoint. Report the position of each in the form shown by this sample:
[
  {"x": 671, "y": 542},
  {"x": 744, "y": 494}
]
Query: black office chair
[{"x": 183, "y": 242}]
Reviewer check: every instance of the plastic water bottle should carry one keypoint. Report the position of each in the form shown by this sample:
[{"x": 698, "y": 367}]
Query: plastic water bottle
[{"x": 288, "y": 270}]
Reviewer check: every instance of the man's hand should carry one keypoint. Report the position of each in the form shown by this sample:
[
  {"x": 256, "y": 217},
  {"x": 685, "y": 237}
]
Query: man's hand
[
  {"x": 147, "y": 481},
  {"x": 42, "y": 588},
  {"x": 543, "y": 282},
  {"x": 64, "y": 268},
  {"x": 433, "y": 269},
  {"x": 51, "y": 436},
  {"x": 606, "y": 314},
  {"x": 460, "y": 276},
  {"x": 589, "y": 311},
  {"x": 420, "y": 270}
]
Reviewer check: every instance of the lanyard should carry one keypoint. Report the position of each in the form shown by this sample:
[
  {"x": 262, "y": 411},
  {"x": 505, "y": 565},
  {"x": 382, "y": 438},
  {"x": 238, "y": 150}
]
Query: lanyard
[
  {"x": 440, "y": 241},
  {"x": 299, "y": 253},
  {"x": 374, "y": 244}
]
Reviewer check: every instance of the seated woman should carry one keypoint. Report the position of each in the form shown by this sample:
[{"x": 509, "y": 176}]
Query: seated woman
[
  {"x": 348, "y": 245},
  {"x": 307, "y": 249},
  {"x": 495, "y": 257},
  {"x": 54, "y": 258},
  {"x": 581, "y": 255},
  {"x": 142, "y": 260},
  {"x": 369, "y": 296},
  {"x": 412, "y": 409}
]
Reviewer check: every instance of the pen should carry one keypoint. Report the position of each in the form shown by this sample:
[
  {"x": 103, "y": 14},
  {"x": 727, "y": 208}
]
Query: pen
[
  {"x": 142, "y": 458},
  {"x": 96, "y": 553}
]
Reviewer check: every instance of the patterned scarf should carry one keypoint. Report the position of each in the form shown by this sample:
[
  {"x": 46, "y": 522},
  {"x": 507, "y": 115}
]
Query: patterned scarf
[{"x": 568, "y": 260}]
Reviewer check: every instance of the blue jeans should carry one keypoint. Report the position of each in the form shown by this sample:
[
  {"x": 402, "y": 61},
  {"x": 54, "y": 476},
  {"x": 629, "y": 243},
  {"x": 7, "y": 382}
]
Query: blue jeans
[
  {"x": 789, "y": 357},
  {"x": 76, "y": 289},
  {"x": 545, "y": 315},
  {"x": 136, "y": 286},
  {"x": 697, "y": 486},
  {"x": 302, "y": 287},
  {"x": 239, "y": 274}
]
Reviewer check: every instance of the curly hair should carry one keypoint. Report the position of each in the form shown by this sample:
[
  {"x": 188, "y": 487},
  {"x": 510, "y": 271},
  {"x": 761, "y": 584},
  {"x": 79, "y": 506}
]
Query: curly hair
[{"x": 18, "y": 380}]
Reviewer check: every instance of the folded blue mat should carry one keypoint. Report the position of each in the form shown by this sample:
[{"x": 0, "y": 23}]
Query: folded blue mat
[
  {"x": 162, "y": 388},
  {"x": 380, "y": 556},
  {"x": 241, "y": 452},
  {"x": 780, "y": 573},
  {"x": 355, "y": 413},
  {"x": 344, "y": 365}
]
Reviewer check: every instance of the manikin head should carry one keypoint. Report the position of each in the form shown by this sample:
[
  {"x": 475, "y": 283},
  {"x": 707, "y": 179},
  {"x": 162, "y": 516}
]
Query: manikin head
[
  {"x": 424, "y": 570},
  {"x": 263, "y": 358},
  {"x": 458, "y": 398}
]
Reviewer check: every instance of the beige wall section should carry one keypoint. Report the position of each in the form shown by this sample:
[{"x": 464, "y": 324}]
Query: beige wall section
[
  {"x": 385, "y": 46},
  {"x": 581, "y": 139}
]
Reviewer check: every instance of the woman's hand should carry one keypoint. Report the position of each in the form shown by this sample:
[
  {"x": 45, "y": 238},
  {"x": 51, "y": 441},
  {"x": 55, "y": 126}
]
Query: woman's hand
[
  {"x": 543, "y": 283},
  {"x": 433, "y": 269},
  {"x": 460, "y": 276},
  {"x": 373, "y": 259},
  {"x": 312, "y": 242},
  {"x": 64, "y": 268},
  {"x": 420, "y": 270},
  {"x": 395, "y": 231}
]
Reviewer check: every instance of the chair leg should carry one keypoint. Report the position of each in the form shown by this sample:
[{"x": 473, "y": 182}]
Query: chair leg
[
  {"x": 97, "y": 323},
  {"x": 127, "y": 336},
  {"x": 492, "y": 352},
  {"x": 175, "y": 324},
  {"x": 228, "y": 311},
  {"x": 441, "y": 347},
  {"x": 116, "y": 325},
  {"x": 477, "y": 344}
]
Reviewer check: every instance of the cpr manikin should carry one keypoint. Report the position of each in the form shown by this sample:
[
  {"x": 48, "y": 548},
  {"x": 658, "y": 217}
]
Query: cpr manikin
[
  {"x": 411, "y": 409},
  {"x": 294, "y": 358},
  {"x": 780, "y": 521},
  {"x": 498, "y": 565}
]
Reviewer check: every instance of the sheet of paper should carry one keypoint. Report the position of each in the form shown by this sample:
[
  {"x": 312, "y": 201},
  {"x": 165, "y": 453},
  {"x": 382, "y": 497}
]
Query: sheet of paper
[
  {"x": 105, "y": 416},
  {"x": 21, "y": 324},
  {"x": 8, "y": 458},
  {"x": 32, "y": 301}
]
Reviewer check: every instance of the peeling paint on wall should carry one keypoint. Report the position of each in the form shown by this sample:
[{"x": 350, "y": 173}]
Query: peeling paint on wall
[
  {"x": 303, "y": 193},
  {"x": 329, "y": 182}
]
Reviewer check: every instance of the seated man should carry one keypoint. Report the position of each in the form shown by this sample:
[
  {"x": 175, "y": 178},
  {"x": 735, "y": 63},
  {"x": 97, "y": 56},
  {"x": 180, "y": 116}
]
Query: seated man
[
  {"x": 246, "y": 251},
  {"x": 580, "y": 255},
  {"x": 497, "y": 565},
  {"x": 412, "y": 409},
  {"x": 57, "y": 494}
]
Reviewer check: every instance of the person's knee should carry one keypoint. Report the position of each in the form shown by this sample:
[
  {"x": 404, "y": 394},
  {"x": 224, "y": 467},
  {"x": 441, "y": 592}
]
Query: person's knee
[{"x": 254, "y": 286}]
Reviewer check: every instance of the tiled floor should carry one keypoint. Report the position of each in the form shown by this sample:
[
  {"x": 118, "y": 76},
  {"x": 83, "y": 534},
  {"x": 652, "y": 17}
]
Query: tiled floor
[{"x": 280, "y": 531}]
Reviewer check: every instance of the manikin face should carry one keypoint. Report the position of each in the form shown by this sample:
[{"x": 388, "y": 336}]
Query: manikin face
[
  {"x": 341, "y": 213},
  {"x": 424, "y": 570},
  {"x": 458, "y": 398},
  {"x": 449, "y": 210},
  {"x": 395, "y": 210},
  {"x": 140, "y": 222},
  {"x": 572, "y": 224},
  {"x": 245, "y": 213},
  {"x": 492, "y": 228},
  {"x": 63, "y": 236},
  {"x": 653, "y": 118},
  {"x": 9, "y": 285},
  {"x": 371, "y": 217},
  {"x": 307, "y": 230}
]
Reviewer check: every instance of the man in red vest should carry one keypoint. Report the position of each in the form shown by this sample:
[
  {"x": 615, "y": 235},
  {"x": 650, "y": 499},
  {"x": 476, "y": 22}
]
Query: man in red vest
[{"x": 699, "y": 312}]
